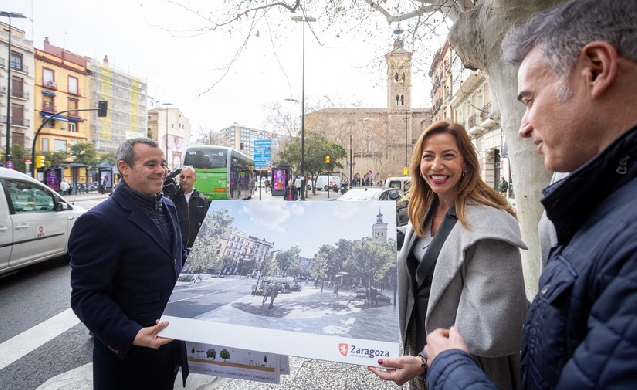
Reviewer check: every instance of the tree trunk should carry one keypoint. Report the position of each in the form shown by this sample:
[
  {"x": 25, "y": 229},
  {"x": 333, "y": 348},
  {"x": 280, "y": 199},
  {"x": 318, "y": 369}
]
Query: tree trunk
[{"x": 476, "y": 36}]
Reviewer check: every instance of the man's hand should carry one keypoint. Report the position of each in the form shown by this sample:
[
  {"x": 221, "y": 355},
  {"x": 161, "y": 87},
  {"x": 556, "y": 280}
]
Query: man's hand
[
  {"x": 147, "y": 337},
  {"x": 441, "y": 340},
  {"x": 399, "y": 370}
]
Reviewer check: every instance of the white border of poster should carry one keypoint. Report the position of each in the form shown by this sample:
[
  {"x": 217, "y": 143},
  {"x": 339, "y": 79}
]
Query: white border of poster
[{"x": 334, "y": 320}]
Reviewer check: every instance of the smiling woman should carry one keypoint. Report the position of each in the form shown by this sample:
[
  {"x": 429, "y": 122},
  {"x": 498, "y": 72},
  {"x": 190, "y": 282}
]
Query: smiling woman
[{"x": 447, "y": 188}]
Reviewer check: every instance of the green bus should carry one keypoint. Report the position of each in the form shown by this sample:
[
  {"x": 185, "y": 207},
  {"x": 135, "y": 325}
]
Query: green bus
[{"x": 223, "y": 173}]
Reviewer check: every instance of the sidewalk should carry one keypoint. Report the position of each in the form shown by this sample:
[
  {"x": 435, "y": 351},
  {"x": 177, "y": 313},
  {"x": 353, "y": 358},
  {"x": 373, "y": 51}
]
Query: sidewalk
[{"x": 320, "y": 195}]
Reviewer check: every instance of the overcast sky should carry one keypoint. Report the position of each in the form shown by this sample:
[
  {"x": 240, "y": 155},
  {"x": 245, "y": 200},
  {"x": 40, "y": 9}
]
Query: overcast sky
[
  {"x": 287, "y": 223},
  {"x": 152, "y": 39}
]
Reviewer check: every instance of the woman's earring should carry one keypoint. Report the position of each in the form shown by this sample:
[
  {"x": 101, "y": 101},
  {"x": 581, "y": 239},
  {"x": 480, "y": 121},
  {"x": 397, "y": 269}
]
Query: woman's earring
[{"x": 463, "y": 173}]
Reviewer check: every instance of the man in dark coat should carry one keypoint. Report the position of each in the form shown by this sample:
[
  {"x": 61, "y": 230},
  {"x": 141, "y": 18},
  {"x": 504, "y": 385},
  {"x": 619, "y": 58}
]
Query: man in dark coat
[
  {"x": 191, "y": 205},
  {"x": 126, "y": 254},
  {"x": 577, "y": 81}
]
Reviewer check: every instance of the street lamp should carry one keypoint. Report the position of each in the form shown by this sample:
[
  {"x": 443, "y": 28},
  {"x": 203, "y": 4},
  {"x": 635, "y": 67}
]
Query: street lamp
[
  {"x": 7, "y": 156},
  {"x": 304, "y": 19},
  {"x": 406, "y": 119},
  {"x": 351, "y": 155},
  {"x": 166, "y": 108}
]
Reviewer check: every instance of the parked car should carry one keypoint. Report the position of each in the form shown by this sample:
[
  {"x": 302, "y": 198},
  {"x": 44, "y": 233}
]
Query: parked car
[
  {"x": 380, "y": 193},
  {"x": 400, "y": 183},
  {"x": 35, "y": 221}
]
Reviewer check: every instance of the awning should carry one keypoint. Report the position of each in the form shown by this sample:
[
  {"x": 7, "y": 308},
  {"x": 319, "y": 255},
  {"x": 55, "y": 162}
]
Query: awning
[
  {"x": 73, "y": 119},
  {"x": 47, "y": 93},
  {"x": 55, "y": 118}
]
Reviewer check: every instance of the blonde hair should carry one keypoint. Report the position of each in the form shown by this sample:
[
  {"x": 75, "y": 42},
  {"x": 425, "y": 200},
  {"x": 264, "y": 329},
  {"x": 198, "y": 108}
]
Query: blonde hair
[{"x": 471, "y": 187}]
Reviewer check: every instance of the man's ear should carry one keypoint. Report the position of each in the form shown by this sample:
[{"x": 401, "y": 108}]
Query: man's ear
[
  {"x": 600, "y": 67},
  {"x": 122, "y": 167}
]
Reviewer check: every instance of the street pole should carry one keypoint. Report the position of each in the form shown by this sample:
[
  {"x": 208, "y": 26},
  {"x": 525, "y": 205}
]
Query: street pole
[
  {"x": 406, "y": 120},
  {"x": 166, "y": 108},
  {"x": 303, "y": 19},
  {"x": 351, "y": 158},
  {"x": 7, "y": 156}
]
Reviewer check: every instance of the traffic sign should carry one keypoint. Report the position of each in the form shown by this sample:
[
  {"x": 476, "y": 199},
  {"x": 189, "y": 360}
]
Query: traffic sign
[
  {"x": 262, "y": 153},
  {"x": 9, "y": 165}
]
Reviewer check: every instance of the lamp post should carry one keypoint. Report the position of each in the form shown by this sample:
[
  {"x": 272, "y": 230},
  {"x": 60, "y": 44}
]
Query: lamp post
[
  {"x": 165, "y": 108},
  {"x": 406, "y": 119},
  {"x": 304, "y": 19},
  {"x": 351, "y": 157},
  {"x": 7, "y": 156}
]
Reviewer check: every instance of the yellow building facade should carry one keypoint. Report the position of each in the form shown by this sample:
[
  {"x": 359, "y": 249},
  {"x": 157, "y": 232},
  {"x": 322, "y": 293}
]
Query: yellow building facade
[{"x": 61, "y": 88}]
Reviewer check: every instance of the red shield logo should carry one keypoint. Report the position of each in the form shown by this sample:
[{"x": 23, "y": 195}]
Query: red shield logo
[{"x": 342, "y": 348}]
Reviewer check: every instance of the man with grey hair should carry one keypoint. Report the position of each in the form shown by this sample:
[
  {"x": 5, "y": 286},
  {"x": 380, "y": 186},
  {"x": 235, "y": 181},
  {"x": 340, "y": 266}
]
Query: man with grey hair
[
  {"x": 577, "y": 81},
  {"x": 126, "y": 254}
]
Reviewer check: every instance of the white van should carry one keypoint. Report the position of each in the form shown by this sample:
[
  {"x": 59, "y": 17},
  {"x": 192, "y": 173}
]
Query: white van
[
  {"x": 35, "y": 221},
  {"x": 399, "y": 183},
  {"x": 324, "y": 181}
]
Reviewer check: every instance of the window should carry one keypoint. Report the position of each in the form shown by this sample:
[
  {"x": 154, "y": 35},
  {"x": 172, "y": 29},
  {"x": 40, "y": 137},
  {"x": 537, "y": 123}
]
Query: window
[
  {"x": 45, "y": 144},
  {"x": 59, "y": 145},
  {"x": 73, "y": 86},
  {"x": 73, "y": 127},
  {"x": 27, "y": 197},
  {"x": 16, "y": 61},
  {"x": 48, "y": 78},
  {"x": 73, "y": 104}
]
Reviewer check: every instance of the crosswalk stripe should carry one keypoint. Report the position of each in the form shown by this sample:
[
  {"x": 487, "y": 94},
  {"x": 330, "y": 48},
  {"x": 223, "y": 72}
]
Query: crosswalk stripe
[{"x": 27, "y": 341}]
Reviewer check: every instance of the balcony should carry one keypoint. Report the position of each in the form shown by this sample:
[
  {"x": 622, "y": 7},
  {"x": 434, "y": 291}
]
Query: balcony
[
  {"x": 19, "y": 68},
  {"x": 22, "y": 122},
  {"x": 20, "y": 94},
  {"x": 48, "y": 107},
  {"x": 486, "y": 121}
]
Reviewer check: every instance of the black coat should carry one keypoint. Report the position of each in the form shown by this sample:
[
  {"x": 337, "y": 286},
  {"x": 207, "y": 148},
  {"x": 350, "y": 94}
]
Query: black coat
[
  {"x": 191, "y": 215},
  {"x": 122, "y": 275}
]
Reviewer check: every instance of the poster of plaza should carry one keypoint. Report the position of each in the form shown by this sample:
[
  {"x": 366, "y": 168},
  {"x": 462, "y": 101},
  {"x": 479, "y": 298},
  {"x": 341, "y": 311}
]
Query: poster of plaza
[{"x": 307, "y": 279}]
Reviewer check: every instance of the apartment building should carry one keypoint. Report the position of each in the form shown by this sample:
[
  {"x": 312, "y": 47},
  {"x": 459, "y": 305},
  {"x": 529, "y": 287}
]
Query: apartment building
[{"x": 17, "y": 75}]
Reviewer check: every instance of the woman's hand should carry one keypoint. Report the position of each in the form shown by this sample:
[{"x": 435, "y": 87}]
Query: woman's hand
[{"x": 399, "y": 370}]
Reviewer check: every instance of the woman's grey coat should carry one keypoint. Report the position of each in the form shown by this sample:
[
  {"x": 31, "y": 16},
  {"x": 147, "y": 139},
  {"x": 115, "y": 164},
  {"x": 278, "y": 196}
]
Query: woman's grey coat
[{"x": 477, "y": 286}]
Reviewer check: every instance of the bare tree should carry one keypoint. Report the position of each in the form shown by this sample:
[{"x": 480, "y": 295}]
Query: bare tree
[{"x": 477, "y": 28}]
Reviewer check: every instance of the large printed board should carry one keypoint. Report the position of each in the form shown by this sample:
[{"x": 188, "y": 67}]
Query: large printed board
[{"x": 308, "y": 279}]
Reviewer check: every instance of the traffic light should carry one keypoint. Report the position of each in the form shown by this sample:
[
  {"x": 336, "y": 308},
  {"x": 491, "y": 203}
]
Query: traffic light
[
  {"x": 102, "y": 108},
  {"x": 327, "y": 159},
  {"x": 241, "y": 146},
  {"x": 39, "y": 161}
]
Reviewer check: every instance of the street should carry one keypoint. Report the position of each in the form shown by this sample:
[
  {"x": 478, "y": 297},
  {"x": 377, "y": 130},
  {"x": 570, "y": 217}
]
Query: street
[{"x": 44, "y": 346}]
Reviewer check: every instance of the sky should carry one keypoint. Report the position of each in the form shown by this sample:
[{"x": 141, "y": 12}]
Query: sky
[
  {"x": 154, "y": 40},
  {"x": 308, "y": 224}
]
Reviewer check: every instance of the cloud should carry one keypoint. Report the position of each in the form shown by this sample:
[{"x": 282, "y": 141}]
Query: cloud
[
  {"x": 346, "y": 209},
  {"x": 274, "y": 216}
]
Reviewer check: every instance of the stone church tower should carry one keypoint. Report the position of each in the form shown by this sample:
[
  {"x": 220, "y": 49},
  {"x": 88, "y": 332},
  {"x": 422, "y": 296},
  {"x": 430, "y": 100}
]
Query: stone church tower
[
  {"x": 399, "y": 108},
  {"x": 379, "y": 229}
]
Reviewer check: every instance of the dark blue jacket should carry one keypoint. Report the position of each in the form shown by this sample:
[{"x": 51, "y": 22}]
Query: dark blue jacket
[
  {"x": 581, "y": 329},
  {"x": 122, "y": 275}
]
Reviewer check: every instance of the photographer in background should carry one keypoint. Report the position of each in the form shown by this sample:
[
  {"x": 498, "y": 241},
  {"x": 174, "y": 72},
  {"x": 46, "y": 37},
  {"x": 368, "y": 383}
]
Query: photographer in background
[{"x": 191, "y": 205}]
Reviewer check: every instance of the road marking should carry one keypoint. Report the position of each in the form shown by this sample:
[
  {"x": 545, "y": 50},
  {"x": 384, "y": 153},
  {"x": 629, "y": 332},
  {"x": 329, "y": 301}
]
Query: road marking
[{"x": 29, "y": 340}]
